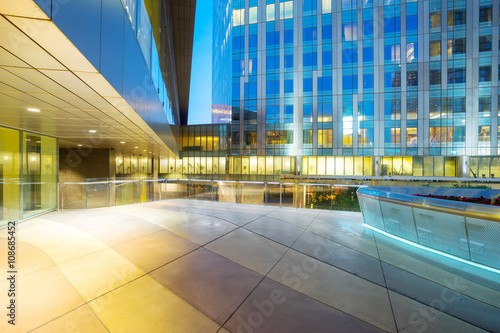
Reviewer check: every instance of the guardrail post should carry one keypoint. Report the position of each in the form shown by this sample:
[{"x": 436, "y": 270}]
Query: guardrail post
[
  {"x": 281, "y": 194},
  {"x": 331, "y": 197}
]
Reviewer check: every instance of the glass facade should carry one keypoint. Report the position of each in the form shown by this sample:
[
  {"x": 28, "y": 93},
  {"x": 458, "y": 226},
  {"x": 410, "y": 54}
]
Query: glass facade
[
  {"x": 28, "y": 174},
  {"x": 406, "y": 81}
]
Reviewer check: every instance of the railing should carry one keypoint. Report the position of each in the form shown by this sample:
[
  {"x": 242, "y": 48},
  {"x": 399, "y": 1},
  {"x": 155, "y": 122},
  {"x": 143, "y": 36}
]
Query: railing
[
  {"x": 107, "y": 193},
  {"x": 461, "y": 229}
]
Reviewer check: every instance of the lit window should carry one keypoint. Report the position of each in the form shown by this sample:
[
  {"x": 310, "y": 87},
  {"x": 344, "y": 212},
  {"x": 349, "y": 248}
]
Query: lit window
[
  {"x": 411, "y": 137},
  {"x": 326, "y": 6},
  {"x": 286, "y": 10},
  {"x": 435, "y": 20},
  {"x": 252, "y": 15},
  {"x": 435, "y": 48},
  {"x": 325, "y": 138},
  {"x": 270, "y": 12},
  {"x": 238, "y": 17},
  {"x": 485, "y": 14}
]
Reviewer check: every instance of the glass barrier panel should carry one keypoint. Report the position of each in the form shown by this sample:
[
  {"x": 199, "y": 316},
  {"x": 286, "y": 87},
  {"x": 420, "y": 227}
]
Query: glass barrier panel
[
  {"x": 273, "y": 195},
  {"x": 287, "y": 195},
  {"x": 201, "y": 191},
  {"x": 252, "y": 193},
  {"x": 484, "y": 241},
  {"x": 126, "y": 193},
  {"x": 443, "y": 232},
  {"x": 345, "y": 198},
  {"x": 226, "y": 192},
  {"x": 398, "y": 220},
  {"x": 372, "y": 214},
  {"x": 97, "y": 195},
  {"x": 317, "y": 197},
  {"x": 73, "y": 196}
]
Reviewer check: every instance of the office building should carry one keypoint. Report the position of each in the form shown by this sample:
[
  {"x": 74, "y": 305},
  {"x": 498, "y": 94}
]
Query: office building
[{"x": 367, "y": 87}]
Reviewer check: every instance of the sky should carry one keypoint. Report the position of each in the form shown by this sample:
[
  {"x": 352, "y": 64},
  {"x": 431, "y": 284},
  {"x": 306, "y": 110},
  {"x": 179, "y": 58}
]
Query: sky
[{"x": 200, "y": 95}]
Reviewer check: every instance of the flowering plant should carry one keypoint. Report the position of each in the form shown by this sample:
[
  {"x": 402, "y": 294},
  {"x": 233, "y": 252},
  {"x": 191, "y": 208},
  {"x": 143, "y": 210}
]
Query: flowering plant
[{"x": 481, "y": 200}]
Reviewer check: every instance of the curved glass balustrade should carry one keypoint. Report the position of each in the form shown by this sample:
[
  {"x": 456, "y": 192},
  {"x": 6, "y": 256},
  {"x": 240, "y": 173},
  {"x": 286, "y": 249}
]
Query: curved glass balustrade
[{"x": 461, "y": 229}]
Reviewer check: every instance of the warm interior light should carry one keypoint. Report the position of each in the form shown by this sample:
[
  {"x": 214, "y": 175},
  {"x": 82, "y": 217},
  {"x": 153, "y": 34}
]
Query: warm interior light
[
  {"x": 33, "y": 110},
  {"x": 33, "y": 158},
  {"x": 6, "y": 157},
  {"x": 136, "y": 147},
  {"x": 79, "y": 145},
  {"x": 92, "y": 131},
  {"x": 122, "y": 142}
]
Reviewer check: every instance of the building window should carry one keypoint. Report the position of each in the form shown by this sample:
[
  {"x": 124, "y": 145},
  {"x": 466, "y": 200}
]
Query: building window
[
  {"x": 456, "y": 46},
  {"x": 270, "y": 12},
  {"x": 252, "y": 41},
  {"x": 412, "y": 78},
  {"x": 326, "y": 6},
  {"x": 435, "y": 76},
  {"x": 308, "y": 86},
  {"x": 392, "y": 53},
  {"x": 411, "y": 52},
  {"x": 288, "y": 86},
  {"x": 349, "y": 82},
  {"x": 288, "y": 62},
  {"x": 288, "y": 36},
  {"x": 252, "y": 15},
  {"x": 309, "y": 34},
  {"x": 411, "y": 24},
  {"x": 368, "y": 54},
  {"x": 368, "y": 82},
  {"x": 456, "y": 75},
  {"x": 484, "y": 133},
  {"x": 485, "y": 44},
  {"x": 325, "y": 138},
  {"x": 308, "y": 139},
  {"x": 411, "y": 137},
  {"x": 392, "y": 25},
  {"x": 327, "y": 32},
  {"x": 349, "y": 56},
  {"x": 485, "y": 14},
  {"x": 327, "y": 59},
  {"x": 435, "y": 20},
  {"x": 411, "y": 108},
  {"x": 310, "y": 59},
  {"x": 273, "y": 39},
  {"x": 393, "y": 79},
  {"x": 238, "y": 17},
  {"x": 307, "y": 112},
  {"x": 435, "y": 48},
  {"x": 484, "y": 73},
  {"x": 456, "y": 17},
  {"x": 349, "y": 31},
  {"x": 286, "y": 10},
  {"x": 368, "y": 29},
  {"x": 484, "y": 103}
]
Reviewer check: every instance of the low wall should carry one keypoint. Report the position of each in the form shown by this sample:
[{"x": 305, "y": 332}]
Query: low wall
[{"x": 466, "y": 230}]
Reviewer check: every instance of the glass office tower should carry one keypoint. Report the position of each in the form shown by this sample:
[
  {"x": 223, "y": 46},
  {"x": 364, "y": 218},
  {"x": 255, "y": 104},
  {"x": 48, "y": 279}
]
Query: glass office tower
[{"x": 363, "y": 87}]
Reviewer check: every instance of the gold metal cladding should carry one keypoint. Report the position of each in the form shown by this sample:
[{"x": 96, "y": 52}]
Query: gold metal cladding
[{"x": 466, "y": 213}]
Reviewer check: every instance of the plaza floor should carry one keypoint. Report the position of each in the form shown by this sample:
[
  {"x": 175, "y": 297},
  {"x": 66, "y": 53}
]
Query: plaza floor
[{"x": 196, "y": 266}]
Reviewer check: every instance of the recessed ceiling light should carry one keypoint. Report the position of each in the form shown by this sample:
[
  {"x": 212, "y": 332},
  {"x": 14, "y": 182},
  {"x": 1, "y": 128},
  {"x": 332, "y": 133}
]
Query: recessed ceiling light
[
  {"x": 136, "y": 147},
  {"x": 144, "y": 150},
  {"x": 79, "y": 145},
  {"x": 122, "y": 142},
  {"x": 33, "y": 109},
  {"x": 28, "y": 139},
  {"x": 33, "y": 158},
  {"x": 6, "y": 157},
  {"x": 92, "y": 131}
]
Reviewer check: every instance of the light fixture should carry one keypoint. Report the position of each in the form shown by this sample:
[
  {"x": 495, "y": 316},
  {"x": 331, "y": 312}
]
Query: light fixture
[
  {"x": 33, "y": 158},
  {"x": 33, "y": 109},
  {"x": 79, "y": 145},
  {"x": 136, "y": 147},
  {"x": 92, "y": 131},
  {"x": 6, "y": 158},
  {"x": 144, "y": 150},
  {"x": 122, "y": 142}
]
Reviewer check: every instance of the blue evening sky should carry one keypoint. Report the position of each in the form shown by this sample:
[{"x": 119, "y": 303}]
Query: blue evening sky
[{"x": 201, "y": 71}]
